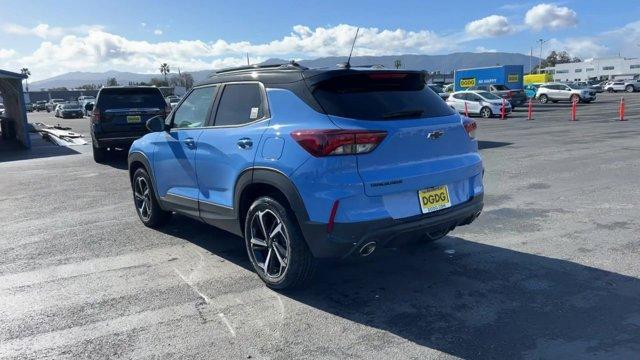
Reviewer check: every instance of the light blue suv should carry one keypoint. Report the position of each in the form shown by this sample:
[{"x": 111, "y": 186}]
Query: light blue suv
[{"x": 310, "y": 163}]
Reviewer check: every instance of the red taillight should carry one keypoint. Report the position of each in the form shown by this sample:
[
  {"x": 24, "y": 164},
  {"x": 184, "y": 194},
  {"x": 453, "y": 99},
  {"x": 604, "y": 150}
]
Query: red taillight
[
  {"x": 95, "y": 115},
  {"x": 470, "y": 126},
  {"x": 338, "y": 142}
]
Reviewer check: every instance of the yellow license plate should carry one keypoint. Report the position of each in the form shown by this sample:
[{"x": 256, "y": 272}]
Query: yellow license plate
[
  {"x": 434, "y": 199},
  {"x": 132, "y": 119}
]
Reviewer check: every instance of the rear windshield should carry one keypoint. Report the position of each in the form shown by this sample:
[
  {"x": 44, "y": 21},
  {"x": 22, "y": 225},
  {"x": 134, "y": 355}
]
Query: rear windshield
[
  {"x": 130, "y": 98},
  {"x": 71, "y": 106},
  {"x": 380, "y": 96},
  {"x": 500, "y": 87}
]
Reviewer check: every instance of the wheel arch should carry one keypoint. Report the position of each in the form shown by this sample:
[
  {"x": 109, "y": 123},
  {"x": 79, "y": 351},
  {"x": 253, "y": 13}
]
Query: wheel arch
[
  {"x": 255, "y": 182},
  {"x": 138, "y": 160}
]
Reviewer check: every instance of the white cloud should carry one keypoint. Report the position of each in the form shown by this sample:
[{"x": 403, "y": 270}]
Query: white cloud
[
  {"x": 578, "y": 47},
  {"x": 482, "y": 49},
  {"x": 550, "y": 16},
  {"x": 157, "y": 32},
  {"x": 143, "y": 24},
  {"x": 41, "y": 30},
  {"x": 46, "y": 31},
  {"x": 490, "y": 26},
  {"x": 99, "y": 50},
  {"x": 7, "y": 53}
]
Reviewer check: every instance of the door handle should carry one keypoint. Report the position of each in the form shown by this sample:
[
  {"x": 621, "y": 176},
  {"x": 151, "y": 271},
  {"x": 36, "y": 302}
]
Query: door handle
[
  {"x": 245, "y": 143},
  {"x": 190, "y": 143}
]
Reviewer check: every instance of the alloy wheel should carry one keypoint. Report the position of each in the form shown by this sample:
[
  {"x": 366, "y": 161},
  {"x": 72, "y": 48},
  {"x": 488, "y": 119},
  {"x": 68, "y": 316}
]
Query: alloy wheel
[
  {"x": 269, "y": 243},
  {"x": 142, "y": 197}
]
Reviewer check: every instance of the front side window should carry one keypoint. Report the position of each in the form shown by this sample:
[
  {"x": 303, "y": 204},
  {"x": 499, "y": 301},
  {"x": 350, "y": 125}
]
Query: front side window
[
  {"x": 240, "y": 104},
  {"x": 194, "y": 109}
]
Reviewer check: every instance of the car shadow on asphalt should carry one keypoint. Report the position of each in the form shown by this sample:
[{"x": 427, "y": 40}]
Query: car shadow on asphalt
[
  {"x": 465, "y": 298},
  {"x": 484, "y": 144}
]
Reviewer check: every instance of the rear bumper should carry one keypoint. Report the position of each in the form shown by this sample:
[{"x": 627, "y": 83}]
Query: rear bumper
[
  {"x": 118, "y": 141},
  {"x": 347, "y": 238}
]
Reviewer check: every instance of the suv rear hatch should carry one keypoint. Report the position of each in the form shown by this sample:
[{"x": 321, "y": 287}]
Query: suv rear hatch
[
  {"x": 128, "y": 109},
  {"x": 426, "y": 143}
]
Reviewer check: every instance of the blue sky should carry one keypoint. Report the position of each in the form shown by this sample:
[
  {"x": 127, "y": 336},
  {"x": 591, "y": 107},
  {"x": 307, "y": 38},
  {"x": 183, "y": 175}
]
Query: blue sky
[{"x": 56, "y": 37}]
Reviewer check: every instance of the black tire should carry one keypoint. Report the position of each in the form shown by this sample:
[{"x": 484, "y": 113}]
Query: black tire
[
  {"x": 151, "y": 214},
  {"x": 485, "y": 112},
  {"x": 629, "y": 88},
  {"x": 543, "y": 99},
  {"x": 299, "y": 263},
  {"x": 99, "y": 154},
  {"x": 574, "y": 98},
  {"x": 610, "y": 90}
]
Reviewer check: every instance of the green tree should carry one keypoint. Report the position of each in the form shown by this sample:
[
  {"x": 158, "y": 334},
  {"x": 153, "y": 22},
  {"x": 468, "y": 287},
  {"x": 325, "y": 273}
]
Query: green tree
[
  {"x": 555, "y": 58},
  {"x": 112, "y": 82},
  {"x": 158, "y": 82},
  {"x": 164, "y": 70},
  {"x": 88, "y": 87},
  {"x": 397, "y": 63},
  {"x": 25, "y": 71}
]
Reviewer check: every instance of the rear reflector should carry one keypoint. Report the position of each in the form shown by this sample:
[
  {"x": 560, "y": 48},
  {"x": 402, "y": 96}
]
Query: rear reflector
[
  {"x": 321, "y": 143},
  {"x": 332, "y": 216}
]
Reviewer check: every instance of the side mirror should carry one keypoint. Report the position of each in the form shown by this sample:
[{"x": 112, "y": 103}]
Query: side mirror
[{"x": 156, "y": 124}]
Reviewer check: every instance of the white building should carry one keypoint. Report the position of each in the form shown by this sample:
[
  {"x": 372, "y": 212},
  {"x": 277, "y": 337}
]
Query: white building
[{"x": 595, "y": 69}]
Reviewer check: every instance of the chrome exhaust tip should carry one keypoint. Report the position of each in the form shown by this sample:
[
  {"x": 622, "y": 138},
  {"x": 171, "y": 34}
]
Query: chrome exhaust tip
[{"x": 368, "y": 248}]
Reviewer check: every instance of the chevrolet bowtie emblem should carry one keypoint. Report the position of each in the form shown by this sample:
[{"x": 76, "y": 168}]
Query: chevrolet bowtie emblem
[{"x": 434, "y": 135}]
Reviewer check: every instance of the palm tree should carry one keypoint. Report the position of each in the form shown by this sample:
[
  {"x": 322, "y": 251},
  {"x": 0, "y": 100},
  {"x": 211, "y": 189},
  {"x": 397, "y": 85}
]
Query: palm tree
[
  {"x": 164, "y": 70},
  {"x": 27, "y": 73}
]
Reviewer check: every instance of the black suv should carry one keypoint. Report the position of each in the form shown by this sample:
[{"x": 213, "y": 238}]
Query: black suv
[{"x": 120, "y": 114}]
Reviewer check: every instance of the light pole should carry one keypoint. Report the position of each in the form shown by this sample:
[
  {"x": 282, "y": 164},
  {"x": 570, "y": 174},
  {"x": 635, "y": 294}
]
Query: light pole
[{"x": 541, "y": 41}]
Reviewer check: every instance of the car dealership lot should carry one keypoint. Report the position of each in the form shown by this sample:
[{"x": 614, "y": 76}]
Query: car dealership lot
[{"x": 550, "y": 269}]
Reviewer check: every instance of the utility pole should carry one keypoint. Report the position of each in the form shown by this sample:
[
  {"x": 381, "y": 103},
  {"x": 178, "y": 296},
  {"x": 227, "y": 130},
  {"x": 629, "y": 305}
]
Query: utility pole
[
  {"x": 531, "y": 60},
  {"x": 541, "y": 41},
  {"x": 248, "y": 63}
]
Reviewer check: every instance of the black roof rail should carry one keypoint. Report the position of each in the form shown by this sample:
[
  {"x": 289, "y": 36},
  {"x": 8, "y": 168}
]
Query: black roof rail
[{"x": 291, "y": 64}]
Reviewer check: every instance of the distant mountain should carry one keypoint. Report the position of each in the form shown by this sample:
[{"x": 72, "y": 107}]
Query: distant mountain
[{"x": 442, "y": 63}]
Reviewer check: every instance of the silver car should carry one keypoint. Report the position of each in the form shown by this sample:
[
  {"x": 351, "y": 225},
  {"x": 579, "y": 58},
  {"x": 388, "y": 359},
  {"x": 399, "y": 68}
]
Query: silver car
[
  {"x": 555, "y": 92},
  {"x": 478, "y": 102},
  {"x": 622, "y": 85}
]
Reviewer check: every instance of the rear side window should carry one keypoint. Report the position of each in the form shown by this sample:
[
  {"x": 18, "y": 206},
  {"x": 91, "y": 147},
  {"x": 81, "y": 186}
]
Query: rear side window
[
  {"x": 500, "y": 87},
  {"x": 127, "y": 98},
  {"x": 380, "y": 96},
  {"x": 240, "y": 104},
  {"x": 194, "y": 109}
]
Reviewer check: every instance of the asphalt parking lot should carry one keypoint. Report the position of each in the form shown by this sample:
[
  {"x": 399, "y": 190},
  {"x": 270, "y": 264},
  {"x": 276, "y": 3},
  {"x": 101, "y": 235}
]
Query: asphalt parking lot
[{"x": 550, "y": 269}]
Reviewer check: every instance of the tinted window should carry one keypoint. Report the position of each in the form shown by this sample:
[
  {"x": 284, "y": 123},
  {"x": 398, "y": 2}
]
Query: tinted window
[
  {"x": 500, "y": 87},
  {"x": 240, "y": 104},
  {"x": 489, "y": 96},
  {"x": 194, "y": 109},
  {"x": 458, "y": 96},
  {"x": 125, "y": 98},
  {"x": 71, "y": 106},
  {"x": 473, "y": 97},
  {"x": 380, "y": 96}
]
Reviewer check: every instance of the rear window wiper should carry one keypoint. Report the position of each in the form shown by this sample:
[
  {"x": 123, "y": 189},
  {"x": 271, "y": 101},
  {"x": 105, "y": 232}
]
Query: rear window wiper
[{"x": 401, "y": 114}]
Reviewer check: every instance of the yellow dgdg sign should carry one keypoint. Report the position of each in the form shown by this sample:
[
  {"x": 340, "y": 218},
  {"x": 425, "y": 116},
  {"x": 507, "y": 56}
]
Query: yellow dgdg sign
[
  {"x": 466, "y": 83},
  {"x": 513, "y": 78}
]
